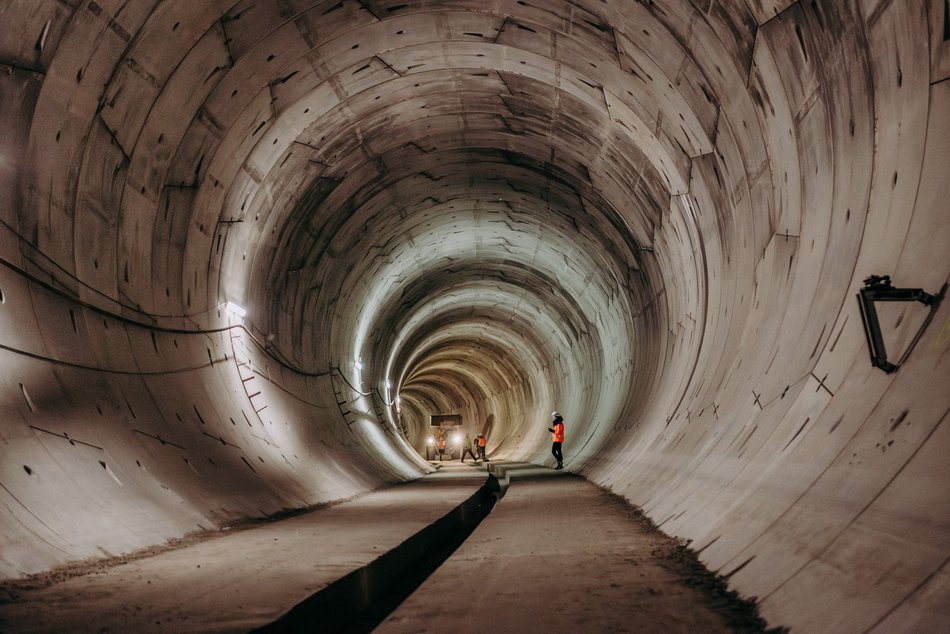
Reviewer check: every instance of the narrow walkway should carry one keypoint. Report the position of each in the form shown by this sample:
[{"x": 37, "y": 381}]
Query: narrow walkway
[
  {"x": 556, "y": 554},
  {"x": 245, "y": 579}
]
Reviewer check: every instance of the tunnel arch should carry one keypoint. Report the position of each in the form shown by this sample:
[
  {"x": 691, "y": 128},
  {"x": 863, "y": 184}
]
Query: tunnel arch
[{"x": 649, "y": 216}]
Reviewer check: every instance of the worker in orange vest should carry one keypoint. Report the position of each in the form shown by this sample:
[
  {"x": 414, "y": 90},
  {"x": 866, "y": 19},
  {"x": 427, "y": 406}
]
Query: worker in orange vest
[
  {"x": 441, "y": 446},
  {"x": 481, "y": 447},
  {"x": 557, "y": 437}
]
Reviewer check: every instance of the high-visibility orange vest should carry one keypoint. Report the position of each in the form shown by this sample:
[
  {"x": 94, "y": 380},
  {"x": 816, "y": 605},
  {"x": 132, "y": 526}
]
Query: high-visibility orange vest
[
  {"x": 481, "y": 441},
  {"x": 558, "y": 435},
  {"x": 441, "y": 443}
]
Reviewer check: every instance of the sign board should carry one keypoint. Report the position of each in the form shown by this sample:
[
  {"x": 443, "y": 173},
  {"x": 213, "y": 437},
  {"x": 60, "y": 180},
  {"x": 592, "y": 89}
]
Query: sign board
[{"x": 445, "y": 420}]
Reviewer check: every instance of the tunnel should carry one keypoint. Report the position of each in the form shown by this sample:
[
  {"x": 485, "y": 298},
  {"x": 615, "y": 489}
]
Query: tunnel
[{"x": 250, "y": 247}]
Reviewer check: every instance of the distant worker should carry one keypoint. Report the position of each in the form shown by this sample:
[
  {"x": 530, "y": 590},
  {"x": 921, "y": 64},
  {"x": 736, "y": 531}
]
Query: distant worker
[
  {"x": 481, "y": 447},
  {"x": 557, "y": 437},
  {"x": 440, "y": 446},
  {"x": 467, "y": 448}
]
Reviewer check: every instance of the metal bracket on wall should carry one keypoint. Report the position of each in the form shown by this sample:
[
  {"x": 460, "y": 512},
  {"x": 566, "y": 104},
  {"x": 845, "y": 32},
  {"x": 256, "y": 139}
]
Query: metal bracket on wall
[{"x": 878, "y": 288}]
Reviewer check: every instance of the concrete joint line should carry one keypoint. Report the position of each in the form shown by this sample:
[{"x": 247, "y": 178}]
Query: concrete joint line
[{"x": 362, "y": 599}]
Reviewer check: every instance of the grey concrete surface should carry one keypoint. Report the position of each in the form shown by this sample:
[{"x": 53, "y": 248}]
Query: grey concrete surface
[
  {"x": 556, "y": 554},
  {"x": 651, "y": 216},
  {"x": 243, "y": 580}
]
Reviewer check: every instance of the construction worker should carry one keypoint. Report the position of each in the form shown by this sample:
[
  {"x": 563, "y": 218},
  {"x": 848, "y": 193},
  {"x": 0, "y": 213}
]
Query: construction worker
[
  {"x": 557, "y": 438},
  {"x": 440, "y": 446},
  {"x": 481, "y": 447},
  {"x": 467, "y": 448}
]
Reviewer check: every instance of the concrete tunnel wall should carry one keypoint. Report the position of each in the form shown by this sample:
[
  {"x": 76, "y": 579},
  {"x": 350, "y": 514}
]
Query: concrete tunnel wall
[{"x": 653, "y": 217}]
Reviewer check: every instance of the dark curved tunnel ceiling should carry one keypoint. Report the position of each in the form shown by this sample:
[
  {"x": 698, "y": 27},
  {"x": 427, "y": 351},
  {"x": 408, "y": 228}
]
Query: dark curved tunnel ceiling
[{"x": 651, "y": 216}]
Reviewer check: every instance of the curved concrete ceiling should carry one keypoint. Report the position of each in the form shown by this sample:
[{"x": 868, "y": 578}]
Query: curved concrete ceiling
[{"x": 651, "y": 216}]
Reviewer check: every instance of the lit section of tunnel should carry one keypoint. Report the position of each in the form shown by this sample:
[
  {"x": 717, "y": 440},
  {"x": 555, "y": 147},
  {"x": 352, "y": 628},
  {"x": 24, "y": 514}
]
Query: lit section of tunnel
[{"x": 652, "y": 217}]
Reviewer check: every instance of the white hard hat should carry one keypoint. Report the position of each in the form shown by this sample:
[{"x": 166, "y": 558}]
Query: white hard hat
[{"x": 555, "y": 414}]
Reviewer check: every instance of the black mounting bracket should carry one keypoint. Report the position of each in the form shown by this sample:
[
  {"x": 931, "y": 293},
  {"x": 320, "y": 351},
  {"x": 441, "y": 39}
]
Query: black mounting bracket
[{"x": 878, "y": 288}]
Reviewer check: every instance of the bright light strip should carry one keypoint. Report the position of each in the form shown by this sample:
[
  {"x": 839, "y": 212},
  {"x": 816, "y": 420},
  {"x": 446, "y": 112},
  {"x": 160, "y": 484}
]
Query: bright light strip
[{"x": 231, "y": 307}]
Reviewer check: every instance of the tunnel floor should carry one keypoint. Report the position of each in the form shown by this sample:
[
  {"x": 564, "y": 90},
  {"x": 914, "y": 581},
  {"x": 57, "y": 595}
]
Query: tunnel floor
[{"x": 557, "y": 554}]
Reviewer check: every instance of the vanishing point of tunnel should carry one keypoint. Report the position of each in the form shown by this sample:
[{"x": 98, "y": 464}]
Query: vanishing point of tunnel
[{"x": 249, "y": 248}]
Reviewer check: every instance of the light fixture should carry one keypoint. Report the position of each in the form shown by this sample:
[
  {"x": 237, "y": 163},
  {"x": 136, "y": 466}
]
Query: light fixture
[
  {"x": 878, "y": 288},
  {"x": 358, "y": 364},
  {"x": 231, "y": 307}
]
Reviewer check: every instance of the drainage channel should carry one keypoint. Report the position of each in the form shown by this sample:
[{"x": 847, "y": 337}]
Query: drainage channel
[{"x": 362, "y": 599}]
